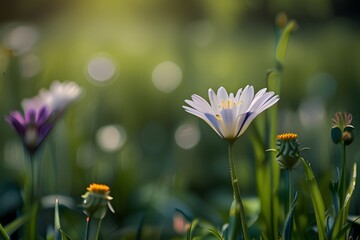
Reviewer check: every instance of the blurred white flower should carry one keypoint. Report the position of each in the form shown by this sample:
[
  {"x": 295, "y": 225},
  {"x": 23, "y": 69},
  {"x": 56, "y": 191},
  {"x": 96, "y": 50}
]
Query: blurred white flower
[
  {"x": 231, "y": 115},
  {"x": 57, "y": 98}
]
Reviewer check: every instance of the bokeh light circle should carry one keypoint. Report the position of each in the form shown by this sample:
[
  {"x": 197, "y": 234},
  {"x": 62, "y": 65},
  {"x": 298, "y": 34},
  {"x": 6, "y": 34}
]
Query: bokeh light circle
[
  {"x": 167, "y": 76},
  {"x": 187, "y": 135},
  {"x": 101, "y": 68},
  {"x": 312, "y": 112},
  {"x": 21, "y": 38},
  {"x": 111, "y": 138}
]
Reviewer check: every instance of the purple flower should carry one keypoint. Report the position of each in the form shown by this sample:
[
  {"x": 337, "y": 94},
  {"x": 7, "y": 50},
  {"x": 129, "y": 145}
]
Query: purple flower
[
  {"x": 42, "y": 111},
  {"x": 33, "y": 127}
]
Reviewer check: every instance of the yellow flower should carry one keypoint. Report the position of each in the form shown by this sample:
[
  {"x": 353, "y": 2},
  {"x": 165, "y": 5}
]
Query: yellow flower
[
  {"x": 97, "y": 200},
  {"x": 288, "y": 150}
]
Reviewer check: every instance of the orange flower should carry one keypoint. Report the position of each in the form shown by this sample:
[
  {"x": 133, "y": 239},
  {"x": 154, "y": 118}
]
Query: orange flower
[{"x": 97, "y": 200}]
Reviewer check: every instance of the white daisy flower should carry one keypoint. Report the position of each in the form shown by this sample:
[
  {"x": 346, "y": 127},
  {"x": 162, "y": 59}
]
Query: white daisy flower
[{"x": 231, "y": 115}]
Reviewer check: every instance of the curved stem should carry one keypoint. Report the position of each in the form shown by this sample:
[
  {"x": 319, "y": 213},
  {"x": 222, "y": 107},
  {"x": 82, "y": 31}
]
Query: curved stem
[
  {"x": 236, "y": 192},
  {"x": 342, "y": 189}
]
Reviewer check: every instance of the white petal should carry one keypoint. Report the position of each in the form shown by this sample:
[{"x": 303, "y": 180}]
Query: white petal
[
  {"x": 257, "y": 103},
  {"x": 210, "y": 119},
  {"x": 215, "y": 124},
  {"x": 195, "y": 112},
  {"x": 199, "y": 103},
  {"x": 271, "y": 101},
  {"x": 214, "y": 101},
  {"x": 260, "y": 93},
  {"x": 240, "y": 121},
  {"x": 222, "y": 94},
  {"x": 238, "y": 94},
  {"x": 228, "y": 126},
  {"x": 245, "y": 99},
  {"x": 246, "y": 123}
]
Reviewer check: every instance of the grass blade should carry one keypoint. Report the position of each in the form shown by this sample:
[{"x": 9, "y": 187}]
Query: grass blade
[
  {"x": 3, "y": 234},
  {"x": 58, "y": 231},
  {"x": 16, "y": 224},
  {"x": 192, "y": 229},
  {"x": 282, "y": 44},
  {"x": 340, "y": 225},
  {"x": 316, "y": 198}
]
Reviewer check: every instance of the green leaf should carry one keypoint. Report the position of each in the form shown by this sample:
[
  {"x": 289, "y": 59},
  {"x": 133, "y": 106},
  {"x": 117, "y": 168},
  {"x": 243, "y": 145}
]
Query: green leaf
[
  {"x": 341, "y": 225},
  {"x": 56, "y": 219},
  {"x": 234, "y": 221},
  {"x": 350, "y": 190},
  {"x": 64, "y": 236},
  {"x": 274, "y": 81},
  {"x": 316, "y": 198},
  {"x": 267, "y": 174},
  {"x": 16, "y": 224},
  {"x": 216, "y": 233},
  {"x": 3, "y": 234},
  {"x": 58, "y": 231},
  {"x": 281, "y": 46},
  {"x": 192, "y": 228}
]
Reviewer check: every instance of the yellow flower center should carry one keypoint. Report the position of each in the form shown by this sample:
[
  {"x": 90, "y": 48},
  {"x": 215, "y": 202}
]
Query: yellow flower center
[
  {"x": 287, "y": 136},
  {"x": 98, "y": 188},
  {"x": 228, "y": 104}
]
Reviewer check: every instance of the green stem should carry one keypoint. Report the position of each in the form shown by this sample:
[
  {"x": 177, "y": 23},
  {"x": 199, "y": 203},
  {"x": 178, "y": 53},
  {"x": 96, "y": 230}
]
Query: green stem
[
  {"x": 87, "y": 229},
  {"x": 31, "y": 203},
  {"x": 290, "y": 189},
  {"x": 342, "y": 190},
  {"x": 236, "y": 191},
  {"x": 98, "y": 229},
  {"x": 92, "y": 233}
]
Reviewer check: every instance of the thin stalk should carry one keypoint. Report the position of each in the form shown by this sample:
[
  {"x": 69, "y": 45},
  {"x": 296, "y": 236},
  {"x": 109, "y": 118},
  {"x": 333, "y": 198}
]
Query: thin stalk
[
  {"x": 290, "y": 189},
  {"x": 98, "y": 229},
  {"x": 92, "y": 233},
  {"x": 87, "y": 229},
  {"x": 236, "y": 191},
  {"x": 30, "y": 198},
  {"x": 342, "y": 190}
]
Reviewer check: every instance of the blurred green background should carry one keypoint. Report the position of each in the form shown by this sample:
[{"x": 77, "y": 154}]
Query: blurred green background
[{"x": 137, "y": 61}]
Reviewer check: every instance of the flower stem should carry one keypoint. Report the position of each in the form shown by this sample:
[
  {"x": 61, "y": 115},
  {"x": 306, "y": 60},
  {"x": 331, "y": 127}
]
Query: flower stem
[
  {"x": 290, "y": 189},
  {"x": 31, "y": 204},
  {"x": 90, "y": 232},
  {"x": 343, "y": 174},
  {"x": 236, "y": 192}
]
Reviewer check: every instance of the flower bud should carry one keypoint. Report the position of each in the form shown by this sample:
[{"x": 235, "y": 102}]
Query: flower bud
[
  {"x": 336, "y": 135},
  {"x": 342, "y": 130},
  {"x": 96, "y": 200},
  {"x": 288, "y": 150},
  {"x": 348, "y": 135}
]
